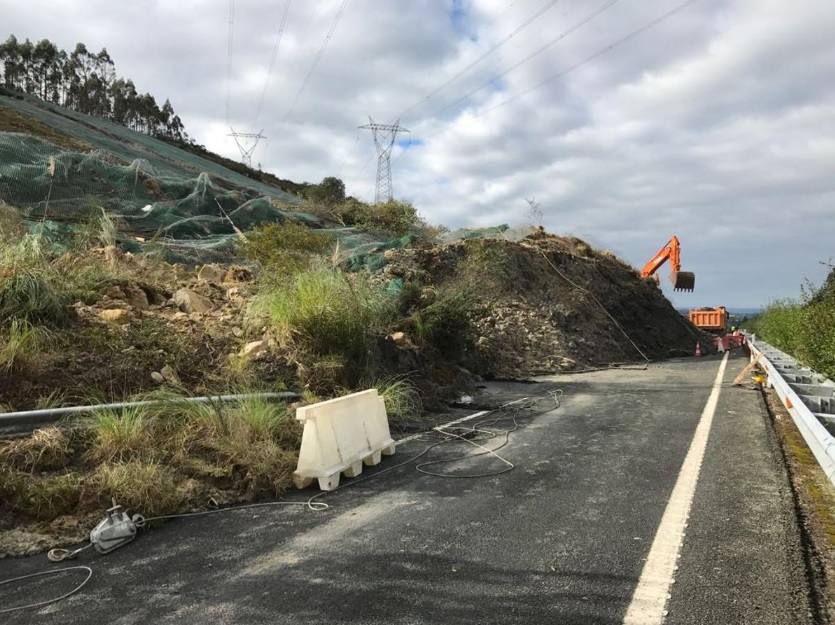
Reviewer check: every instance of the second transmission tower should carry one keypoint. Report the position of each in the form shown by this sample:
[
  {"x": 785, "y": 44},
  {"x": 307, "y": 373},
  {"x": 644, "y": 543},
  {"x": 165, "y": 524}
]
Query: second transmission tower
[{"x": 384, "y": 137}]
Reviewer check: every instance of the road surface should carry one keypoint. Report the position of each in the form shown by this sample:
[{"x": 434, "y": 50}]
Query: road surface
[{"x": 582, "y": 530}]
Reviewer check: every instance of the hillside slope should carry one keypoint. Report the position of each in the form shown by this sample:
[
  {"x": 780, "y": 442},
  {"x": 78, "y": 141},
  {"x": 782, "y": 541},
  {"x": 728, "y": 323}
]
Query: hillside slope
[{"x": 59, "y": 166}]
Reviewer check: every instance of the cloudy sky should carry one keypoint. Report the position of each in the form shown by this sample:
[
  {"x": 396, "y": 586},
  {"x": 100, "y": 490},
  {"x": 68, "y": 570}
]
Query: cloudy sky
[{"x": 626, "y": 120}]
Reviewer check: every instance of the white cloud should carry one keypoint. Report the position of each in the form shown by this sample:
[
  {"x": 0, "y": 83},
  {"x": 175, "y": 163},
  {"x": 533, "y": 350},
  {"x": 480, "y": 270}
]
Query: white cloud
[{"x": 717, "y": 124}]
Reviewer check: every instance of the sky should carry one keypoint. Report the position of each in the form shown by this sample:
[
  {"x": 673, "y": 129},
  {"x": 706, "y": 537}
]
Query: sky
[{"x": 626, "y": 121}]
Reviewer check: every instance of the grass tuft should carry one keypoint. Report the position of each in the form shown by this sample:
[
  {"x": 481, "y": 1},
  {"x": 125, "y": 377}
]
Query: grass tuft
[
  {"x": 41, "y": 497},
  {"x": 149, "y": 488},
  {"x": 402, "y": 398},
  {"x": 328, "y": 313},
  {"x": 19, "y": 345},
  {"x": 122, "y": 435}
]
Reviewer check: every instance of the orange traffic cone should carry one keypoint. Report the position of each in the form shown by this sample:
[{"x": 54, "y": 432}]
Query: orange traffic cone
[{"x": 698, "y": 349}]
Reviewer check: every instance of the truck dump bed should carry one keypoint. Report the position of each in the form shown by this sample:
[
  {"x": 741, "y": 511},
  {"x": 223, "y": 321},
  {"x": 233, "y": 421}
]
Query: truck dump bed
[{"x": 713, "y": 319}]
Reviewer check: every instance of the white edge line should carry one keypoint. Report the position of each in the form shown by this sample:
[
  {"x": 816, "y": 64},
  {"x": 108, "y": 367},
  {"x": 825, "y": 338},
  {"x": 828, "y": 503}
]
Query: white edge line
[{"x": 648, "y": 605}]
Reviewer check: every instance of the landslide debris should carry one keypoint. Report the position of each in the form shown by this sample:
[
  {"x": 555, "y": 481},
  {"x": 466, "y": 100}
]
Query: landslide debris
[{"x": 545, "y": 302}]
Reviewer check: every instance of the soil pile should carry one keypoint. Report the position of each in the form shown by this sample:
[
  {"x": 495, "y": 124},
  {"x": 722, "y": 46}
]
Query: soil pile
[{"x": 550, "y": 303}]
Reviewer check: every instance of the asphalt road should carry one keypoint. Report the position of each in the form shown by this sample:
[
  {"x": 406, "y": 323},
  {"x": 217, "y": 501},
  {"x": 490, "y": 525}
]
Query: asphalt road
[{"x": 562, "y": 538}]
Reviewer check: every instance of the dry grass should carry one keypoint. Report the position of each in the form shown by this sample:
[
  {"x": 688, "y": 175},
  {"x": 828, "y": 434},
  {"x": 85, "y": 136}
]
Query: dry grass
[
  {"x": 147, "y": 487},
  {"x": 40, "y": 497},
  {"x": 12, "y": 121},
  {"x": 47, "y": 449}
]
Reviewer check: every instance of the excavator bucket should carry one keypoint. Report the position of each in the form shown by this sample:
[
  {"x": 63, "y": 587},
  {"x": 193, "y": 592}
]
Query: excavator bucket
[{"x": 684, "y": 281}]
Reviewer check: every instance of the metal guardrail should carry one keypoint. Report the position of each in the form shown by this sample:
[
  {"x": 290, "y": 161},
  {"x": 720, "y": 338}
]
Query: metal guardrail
[{"x": 808, "y": 396}]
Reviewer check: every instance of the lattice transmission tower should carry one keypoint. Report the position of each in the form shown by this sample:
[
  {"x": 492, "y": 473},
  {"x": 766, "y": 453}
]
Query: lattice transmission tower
[
  {"x": 247, "y": 142},
  {"x": 384, "y": 137}
]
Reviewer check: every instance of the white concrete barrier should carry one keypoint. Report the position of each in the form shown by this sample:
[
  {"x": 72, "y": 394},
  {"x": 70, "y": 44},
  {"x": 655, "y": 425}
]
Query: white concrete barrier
[{"x": 339, "y": 436}]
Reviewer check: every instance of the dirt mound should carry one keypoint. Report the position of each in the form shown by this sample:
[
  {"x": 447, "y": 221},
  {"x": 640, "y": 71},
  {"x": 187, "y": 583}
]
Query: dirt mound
[{"x": 550, "y": 303}]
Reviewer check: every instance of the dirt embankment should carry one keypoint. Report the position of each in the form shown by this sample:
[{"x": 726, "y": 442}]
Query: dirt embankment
[{"x": 551, "y": 303}]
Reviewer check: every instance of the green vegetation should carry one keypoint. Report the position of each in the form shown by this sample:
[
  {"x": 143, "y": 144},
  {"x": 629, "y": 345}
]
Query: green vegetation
[
  {"x": 152, "y": 459},
  {"x": 40, "y": 497},
  {"x": 327, "y": 313},
  {"x": 446, "y": 323},
  {"x": 330, "y": 192},
  {"x": 394, "y": 217},
  {"x": 30, "y": 288},
  {"x": 284, "y": 249},
  {"x": 803, "y": 328},
  {"x": 86, "y": 82},
  {"x": 401, "y": 396},
  {"x": 121, "y": 436},
  {"x": 19, "y": 345}
]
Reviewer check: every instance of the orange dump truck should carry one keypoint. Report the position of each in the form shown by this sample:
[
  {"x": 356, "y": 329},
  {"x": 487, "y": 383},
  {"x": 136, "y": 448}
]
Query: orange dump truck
[{"x": 713, "y": 320}]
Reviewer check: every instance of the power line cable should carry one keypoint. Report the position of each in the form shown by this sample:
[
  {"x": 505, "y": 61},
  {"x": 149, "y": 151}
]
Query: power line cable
[
  {"x": 651, "y": 24},
  {"x": 631, "y": 35},
  {"x": 316, "y": 60},
  {"x": 483, "y": 56},
  {"x": 606, "y": 6},
  {"x": 273, "y": 58}
]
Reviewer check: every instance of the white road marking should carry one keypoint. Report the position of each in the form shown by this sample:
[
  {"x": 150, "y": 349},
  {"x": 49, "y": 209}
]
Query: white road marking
[{"x": 649, "y": 601}]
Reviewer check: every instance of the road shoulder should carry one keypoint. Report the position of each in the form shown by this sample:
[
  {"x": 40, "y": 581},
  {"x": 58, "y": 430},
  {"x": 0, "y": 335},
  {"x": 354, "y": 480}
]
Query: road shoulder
[{"x": 742, "y": 560}]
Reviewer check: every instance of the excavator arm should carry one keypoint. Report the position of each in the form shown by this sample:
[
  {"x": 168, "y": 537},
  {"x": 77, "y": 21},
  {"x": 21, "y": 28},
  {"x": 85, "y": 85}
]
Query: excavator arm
[{"x": 682, "y": 280}]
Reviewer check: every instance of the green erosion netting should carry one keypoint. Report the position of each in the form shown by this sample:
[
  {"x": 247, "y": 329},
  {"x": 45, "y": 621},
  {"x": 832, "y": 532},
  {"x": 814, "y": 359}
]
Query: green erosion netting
[
  {"x": 148, "y": 186},
  {"x": 128, "y": 146},
  {"x": 183, "y": 204}
]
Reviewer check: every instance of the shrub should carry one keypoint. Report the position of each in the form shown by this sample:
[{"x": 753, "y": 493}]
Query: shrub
[
  {"x": 805, "y": 329},
  {"x": 324, "y": 311},
  {"x": 284, "y": 249},
  {"x": 779, "y": 324},
  {"x": 352, "y": 212},
  {"x": 330, "y": 191},
  {"x": 393, "y": 216},
  {"x": 817, "y": 342},
  {"x": 446, "y": 324}
]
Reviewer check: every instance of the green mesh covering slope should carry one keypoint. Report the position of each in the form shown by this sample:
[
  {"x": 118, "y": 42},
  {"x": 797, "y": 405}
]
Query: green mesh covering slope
[
  {"x": 183, "y": 205},
  {"x": 127, "y": 146}
]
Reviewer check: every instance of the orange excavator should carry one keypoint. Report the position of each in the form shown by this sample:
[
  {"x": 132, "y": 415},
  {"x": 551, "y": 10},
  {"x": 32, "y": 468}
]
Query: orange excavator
[{"x": 682, "y": 280}]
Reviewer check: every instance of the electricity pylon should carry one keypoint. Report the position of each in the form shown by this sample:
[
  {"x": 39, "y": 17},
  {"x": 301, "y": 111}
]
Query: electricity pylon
[
  {"x": 247, "y": 142},
  {"x": 384, "y": 137}
]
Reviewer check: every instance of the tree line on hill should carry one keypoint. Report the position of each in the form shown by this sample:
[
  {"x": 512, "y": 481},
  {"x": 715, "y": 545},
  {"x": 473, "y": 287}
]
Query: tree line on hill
[{"x": 85, "y": 82}]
